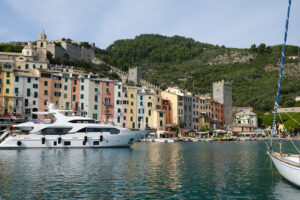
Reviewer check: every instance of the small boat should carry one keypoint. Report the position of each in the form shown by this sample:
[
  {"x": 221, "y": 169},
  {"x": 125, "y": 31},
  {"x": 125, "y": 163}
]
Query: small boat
[
  {"x": 288, "y": 165},
  {"x": 68, "y": 132}
]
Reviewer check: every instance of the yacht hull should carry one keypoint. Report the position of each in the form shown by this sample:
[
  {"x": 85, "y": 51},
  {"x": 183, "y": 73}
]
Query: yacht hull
[
  {"x": 76, "y": 140},
  {"x": 289, "y": 170}
]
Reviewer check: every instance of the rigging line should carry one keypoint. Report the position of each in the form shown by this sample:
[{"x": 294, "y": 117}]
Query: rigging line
[
  {"x": 280, "y": 73},
  {"x": 298, "y": 123},
  {"x": 288, "y": 137}
]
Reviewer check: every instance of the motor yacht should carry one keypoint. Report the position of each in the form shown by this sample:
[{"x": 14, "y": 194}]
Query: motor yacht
[{"x": 68, "y": 132}]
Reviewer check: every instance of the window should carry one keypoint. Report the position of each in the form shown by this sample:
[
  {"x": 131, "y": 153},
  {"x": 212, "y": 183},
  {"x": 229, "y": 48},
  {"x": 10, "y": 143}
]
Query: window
[
  {"x": 65, "y": 96},
  {"x": 35, "y": 85},
  {"x": 118, "y": 119},
  {"x": 34, "y": 66},
  {"x": 96, "y": 142},
  {"x": 141, "y": 103},
  {"x": 119, "y": 86},
  {"x": 119, "y": 94},
  {"x": 82, "y": 87},
  {"x": 17, "y": 79},
  {"x": 131, "y": 111},
  {"x": 44, "y": 75},
  {"x": 56, "y": 103},
  {"x": 131, "y": 103},
  {"x": 26, "y": 66},
  {"x": 141, "y": 97},
  {"x": 96, "y": 89},
  {"x": 131, "y": 118},
  {"x": 96, "y": 98},
  {"x": 75, "y": 82},
  {"x": 65, "y": 87},
  {"x": 45, "y": 83},
  {"x": 107, "y": 83},
  {"x": 114, "y": 131},
  {"x": 35, "y": 95},
  {"x": 119, "y": 110},
  {"x": 33, "y": 102},
  {"x": 95, "y": 116},
  {"x": 28, "y": 80},
  {"x": 74, "y": 97},
  {"x": 7, "y": 74},
  {"x": 125, "y": 110},
  {"x": 57, "y": 94},
  {"x": 149, "y": 112},
  {"x": 16, "y": 90},
  {"x": 41, "y": 66},
  {"x": 95, "y": 107},
  {"x": 74, "y": 89},
  {"x": 57, "y": 85},
  {"x": 161, "y": 114},
  {"x": 19, "y": 67},
  {"x": 66, "y": 143},
  {"x": 26, "y": 102},
  {"x": 107, "y": 90},
  {"x": 107, "y": 101},
  {"x": 28, "y": 92},
  {"x": 66, "y": 80},
  {"x": 82, "y": 80},
  {"x": 81, "y": 96},
  {"x": 131, "y": 95},
  {"x": 161, "y": 123},
  {"x": 46, "y": 92}
]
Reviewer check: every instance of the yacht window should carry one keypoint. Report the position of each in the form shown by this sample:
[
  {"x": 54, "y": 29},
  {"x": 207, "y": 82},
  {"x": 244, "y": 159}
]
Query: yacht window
[
  {"x": 86, "y": 121},
  {"x": 114, "y": 131},
  {"x": 55, "y": 131},
  {"x": 105, "y": 129},
  {"x": 93, "y": 129},
  {"x": 96, "y": 143},
  {"x": 67, "y": 143}
]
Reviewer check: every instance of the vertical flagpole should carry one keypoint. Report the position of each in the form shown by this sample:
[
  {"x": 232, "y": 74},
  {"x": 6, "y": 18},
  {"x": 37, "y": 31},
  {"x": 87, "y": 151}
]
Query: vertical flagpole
[{"x": 280, "y": 73}]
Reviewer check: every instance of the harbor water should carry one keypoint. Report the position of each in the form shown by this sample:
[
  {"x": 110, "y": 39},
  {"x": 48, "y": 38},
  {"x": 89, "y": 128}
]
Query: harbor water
[{"x": 217, "y": 170}]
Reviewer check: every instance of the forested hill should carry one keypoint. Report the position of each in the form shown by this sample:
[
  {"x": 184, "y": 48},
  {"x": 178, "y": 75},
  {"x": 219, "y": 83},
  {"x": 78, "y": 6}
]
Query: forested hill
[{"x": 183, "y": 62}]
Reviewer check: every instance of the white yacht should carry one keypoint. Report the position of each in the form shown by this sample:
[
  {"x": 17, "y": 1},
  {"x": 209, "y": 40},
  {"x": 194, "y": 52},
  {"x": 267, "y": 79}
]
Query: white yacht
[{"x": 68, "y": 132}]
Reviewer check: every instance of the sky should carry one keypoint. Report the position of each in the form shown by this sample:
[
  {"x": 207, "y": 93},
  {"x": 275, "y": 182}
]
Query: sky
[{"x": 233, "y": 23}]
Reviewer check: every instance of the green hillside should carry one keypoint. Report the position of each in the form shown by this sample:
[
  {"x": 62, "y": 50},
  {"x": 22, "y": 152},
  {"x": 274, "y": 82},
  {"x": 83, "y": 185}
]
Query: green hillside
[{"x": 171, "y": 61}]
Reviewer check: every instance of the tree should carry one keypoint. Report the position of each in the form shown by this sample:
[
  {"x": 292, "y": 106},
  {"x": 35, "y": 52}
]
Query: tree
[
  {"x": 261, "y": 48},
  {"x": 253, "y": 48}
]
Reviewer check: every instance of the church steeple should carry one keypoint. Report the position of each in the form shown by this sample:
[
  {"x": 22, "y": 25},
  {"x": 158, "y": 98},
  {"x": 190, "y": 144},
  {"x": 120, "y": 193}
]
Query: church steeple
[{"x": 42, "y": 45}]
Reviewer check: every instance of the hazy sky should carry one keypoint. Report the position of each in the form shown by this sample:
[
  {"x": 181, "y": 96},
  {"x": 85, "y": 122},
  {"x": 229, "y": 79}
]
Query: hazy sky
[{"x": 233, "y": 23}]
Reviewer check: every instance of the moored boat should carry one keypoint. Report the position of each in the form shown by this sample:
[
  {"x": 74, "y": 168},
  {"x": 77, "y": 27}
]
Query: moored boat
[{"x": 69, "y": 132}]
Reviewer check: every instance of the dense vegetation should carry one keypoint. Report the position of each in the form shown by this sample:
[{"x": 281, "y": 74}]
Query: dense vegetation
[
  {"x": 11, "y": 48},
  {"x": 101, "y": 69},
  {"x": 289, "y": 121},
  {"x": 170, "y": 61}
]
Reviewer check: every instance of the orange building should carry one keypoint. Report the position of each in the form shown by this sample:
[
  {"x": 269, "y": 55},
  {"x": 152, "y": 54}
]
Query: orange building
[
  {"x": 107, "y": 114},
  {"x": 75, "y": 93},
  {"x": 45, "y": 90}
]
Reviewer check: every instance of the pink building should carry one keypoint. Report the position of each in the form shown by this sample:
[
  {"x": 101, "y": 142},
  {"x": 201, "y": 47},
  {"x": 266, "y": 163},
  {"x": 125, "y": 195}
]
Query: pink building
[{"x": 107, "y": 114}]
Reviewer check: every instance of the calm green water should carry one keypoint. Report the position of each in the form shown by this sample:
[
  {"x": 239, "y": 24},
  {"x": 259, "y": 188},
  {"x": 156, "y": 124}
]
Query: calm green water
[{"x": 229, "y": 170}]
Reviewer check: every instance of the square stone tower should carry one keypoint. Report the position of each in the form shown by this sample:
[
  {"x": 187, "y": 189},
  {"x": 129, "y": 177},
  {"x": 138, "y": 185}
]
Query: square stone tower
[
  {"x": 222, "y": 93},
  {"x": 135, "y": 74}
]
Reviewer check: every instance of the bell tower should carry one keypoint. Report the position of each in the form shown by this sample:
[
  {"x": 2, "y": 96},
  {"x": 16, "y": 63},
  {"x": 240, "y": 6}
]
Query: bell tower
[{"x": 42, "y": 46}]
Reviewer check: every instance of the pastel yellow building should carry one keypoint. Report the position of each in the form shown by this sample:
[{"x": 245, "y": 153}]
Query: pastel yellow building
[
  {"x": 155, "y": 116},
  {"x": 7, "y": 97},
  {"x": 131, "y": 112}
]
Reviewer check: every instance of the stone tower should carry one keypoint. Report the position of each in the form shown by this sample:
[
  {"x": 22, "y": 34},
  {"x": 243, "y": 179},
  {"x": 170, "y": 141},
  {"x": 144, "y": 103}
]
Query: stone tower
[
  {"x": 222, "y": 93},
  {"x": 42, "y": 46},
  {"x": 135, "y": 74}
]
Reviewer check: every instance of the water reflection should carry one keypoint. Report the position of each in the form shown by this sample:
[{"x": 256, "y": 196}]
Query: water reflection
[{"x": 178, "y": 170}]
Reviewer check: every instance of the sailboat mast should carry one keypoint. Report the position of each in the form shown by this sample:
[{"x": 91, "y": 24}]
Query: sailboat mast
[{"x": 280, "y": 73}]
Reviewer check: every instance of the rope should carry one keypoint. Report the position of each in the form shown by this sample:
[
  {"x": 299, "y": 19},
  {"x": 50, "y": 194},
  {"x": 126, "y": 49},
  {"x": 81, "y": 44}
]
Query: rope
[{"x": 286, "y": 131}]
